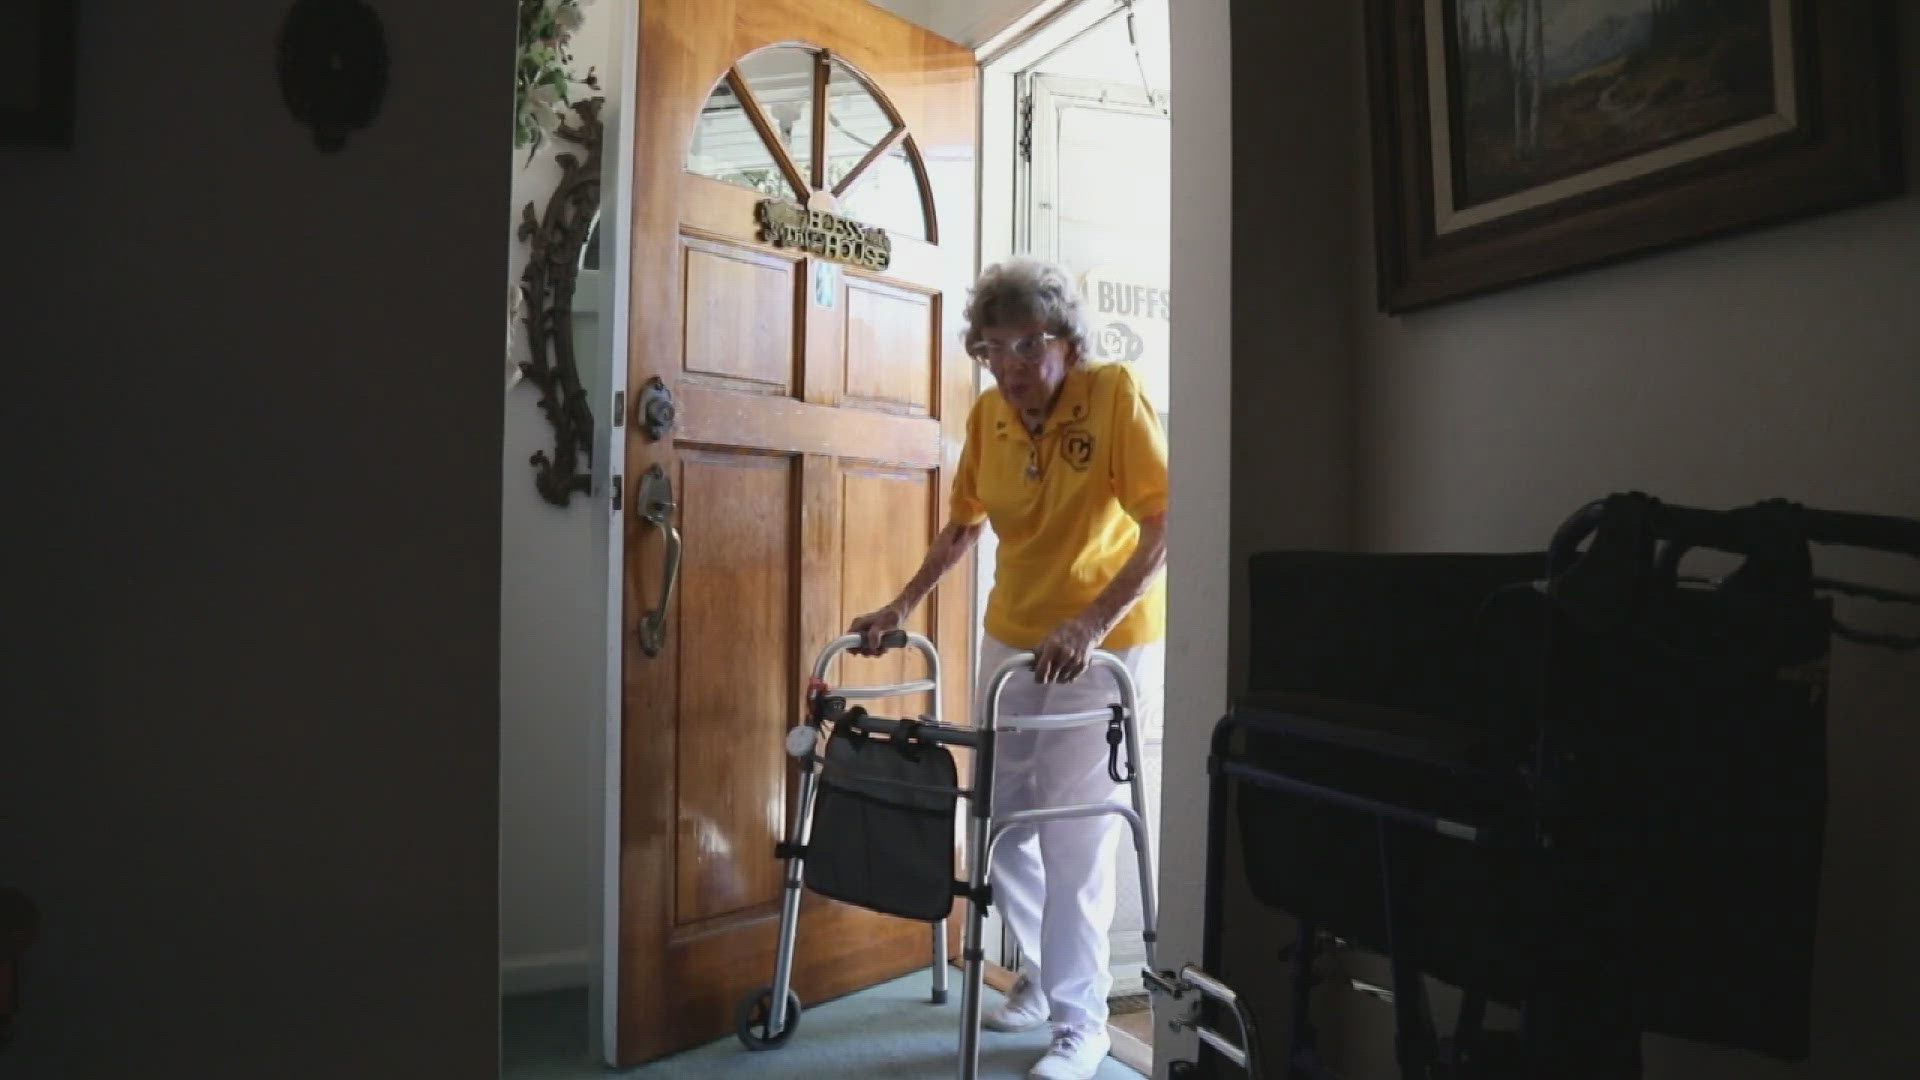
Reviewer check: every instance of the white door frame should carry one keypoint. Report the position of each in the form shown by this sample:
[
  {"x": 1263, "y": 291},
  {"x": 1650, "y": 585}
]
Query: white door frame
[
  {"x": 616, "y": 261},
  {"x": 1036, "y": 218},
  {"x": 1004, "y": 63}
]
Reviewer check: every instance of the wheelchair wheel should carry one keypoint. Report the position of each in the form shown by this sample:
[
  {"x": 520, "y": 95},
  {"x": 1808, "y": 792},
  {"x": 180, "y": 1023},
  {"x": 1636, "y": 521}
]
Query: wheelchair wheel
[{"x": 754, "y": 1013}]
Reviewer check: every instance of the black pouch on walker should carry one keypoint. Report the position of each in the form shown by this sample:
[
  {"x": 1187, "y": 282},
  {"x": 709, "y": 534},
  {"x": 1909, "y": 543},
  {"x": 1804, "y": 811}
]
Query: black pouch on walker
[{"x": 883, "y": 825}]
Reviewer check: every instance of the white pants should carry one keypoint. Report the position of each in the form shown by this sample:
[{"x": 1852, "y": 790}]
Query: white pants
[{"x": 1054, "y": 883}]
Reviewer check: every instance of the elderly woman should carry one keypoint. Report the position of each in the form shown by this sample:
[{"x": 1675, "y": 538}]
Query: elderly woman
[{"x": 1066, "y": 460}]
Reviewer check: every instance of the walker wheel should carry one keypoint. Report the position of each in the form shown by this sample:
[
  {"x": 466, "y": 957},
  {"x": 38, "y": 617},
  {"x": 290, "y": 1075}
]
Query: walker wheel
[{"x": 755, "y": 1010}]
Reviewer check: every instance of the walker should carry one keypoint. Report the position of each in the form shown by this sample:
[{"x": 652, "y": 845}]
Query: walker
[{"x": 898, "y": 795}]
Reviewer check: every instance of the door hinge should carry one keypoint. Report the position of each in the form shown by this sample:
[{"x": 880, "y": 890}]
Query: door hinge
[
  {"x": 619, "y": 408},
  {"x": 618, "y": 487},
  {"x": 1026, "y": 127}
]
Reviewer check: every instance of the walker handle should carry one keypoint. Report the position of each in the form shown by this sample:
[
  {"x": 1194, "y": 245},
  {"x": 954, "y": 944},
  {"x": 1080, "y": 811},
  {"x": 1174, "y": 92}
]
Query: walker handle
[{"x": 892, "y": 639}]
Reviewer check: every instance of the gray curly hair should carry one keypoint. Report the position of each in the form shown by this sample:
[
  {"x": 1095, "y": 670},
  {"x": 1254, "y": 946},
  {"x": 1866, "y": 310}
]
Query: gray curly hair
[{"x": 1028, "y": 290}]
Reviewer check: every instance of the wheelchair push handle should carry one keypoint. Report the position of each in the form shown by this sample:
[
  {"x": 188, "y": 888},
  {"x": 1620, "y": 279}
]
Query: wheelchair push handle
[
  {"x": 1683, "y": 528},
  {"x": 1874, "y": 532}
]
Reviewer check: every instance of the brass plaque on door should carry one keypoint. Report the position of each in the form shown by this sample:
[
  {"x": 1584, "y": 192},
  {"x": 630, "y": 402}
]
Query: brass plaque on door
[{"x": 830, "y": 236}]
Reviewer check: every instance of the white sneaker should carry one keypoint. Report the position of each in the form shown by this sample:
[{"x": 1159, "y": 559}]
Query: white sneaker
[
  {"x": 1076, "y": 1054},
  {"x": 1025, "y": 1009}
]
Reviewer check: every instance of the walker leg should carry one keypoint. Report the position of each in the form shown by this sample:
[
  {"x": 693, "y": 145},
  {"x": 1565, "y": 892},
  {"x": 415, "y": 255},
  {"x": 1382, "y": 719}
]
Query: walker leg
[
  {"x": 940, "y": 962},
  {"x": 972, "y": 949},
  {"x": 1142, "y": 843},
  {"x": 790, "y": 905}
]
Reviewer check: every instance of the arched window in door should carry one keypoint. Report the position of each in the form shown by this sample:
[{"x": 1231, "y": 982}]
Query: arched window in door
[{"x": 799, "y": 123}]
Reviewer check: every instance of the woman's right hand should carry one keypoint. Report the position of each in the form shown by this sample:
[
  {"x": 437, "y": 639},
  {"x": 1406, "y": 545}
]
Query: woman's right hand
[{"x": 874, "y": 624}]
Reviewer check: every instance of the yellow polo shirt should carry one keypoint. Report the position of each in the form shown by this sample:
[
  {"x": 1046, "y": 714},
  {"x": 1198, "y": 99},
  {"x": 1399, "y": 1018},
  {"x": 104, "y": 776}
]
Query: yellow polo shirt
[{"x": 1064, "y": 533}]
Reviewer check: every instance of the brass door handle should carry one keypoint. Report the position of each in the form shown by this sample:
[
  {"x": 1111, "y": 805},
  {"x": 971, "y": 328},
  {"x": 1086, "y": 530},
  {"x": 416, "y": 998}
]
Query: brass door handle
[{"x": 654, "y": 503}]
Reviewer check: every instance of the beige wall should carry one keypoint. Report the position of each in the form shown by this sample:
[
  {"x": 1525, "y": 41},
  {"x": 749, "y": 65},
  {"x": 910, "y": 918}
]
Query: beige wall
[
  {"x": 1783, "y": 362},
  {"x": 1294, "y": 249},
  {"x": 253, "y": 429}
]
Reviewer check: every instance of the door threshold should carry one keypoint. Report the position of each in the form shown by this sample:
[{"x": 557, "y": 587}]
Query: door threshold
[{"x": 1131, "y": 1050}]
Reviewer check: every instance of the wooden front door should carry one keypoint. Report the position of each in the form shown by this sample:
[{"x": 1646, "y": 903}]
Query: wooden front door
[{"x": 820, "y": 410}]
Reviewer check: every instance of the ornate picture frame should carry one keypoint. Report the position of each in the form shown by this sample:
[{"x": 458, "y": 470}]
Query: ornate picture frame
[{"x": 1518, "y": 139}]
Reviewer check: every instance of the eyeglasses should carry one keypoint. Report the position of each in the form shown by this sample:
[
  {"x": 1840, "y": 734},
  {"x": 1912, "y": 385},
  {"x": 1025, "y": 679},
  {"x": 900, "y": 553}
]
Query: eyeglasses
[{"x": 1028, "y": 349}]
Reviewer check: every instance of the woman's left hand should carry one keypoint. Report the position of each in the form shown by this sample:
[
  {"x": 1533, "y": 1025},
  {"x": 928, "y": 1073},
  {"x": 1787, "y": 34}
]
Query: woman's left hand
[{"x": 1064, "y": 655}]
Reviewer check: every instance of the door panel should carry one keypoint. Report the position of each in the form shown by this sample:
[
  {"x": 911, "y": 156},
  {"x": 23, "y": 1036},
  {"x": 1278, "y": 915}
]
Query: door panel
[
  {"x": 740, "y": 314},
  {"x": 885, "y": 514},
  {"x": 820, "y": 414},
  {"x": 736, "y": 681},
  {"x": 889, "y": 341}
]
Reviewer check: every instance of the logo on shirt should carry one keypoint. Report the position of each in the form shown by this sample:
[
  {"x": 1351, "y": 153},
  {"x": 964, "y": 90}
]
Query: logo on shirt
[{"x": 1076, "y": 447}]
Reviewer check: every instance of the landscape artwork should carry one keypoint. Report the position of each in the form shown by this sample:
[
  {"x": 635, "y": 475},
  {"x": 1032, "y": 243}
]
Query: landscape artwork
[
  {"x": 1541, "y": 91},
  {"x": 1516, "y": 140}
]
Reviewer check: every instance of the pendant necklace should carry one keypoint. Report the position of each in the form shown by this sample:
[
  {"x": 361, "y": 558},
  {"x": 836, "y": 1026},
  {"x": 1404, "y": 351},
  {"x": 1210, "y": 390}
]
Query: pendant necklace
[{"x": 1034, "y": 439}]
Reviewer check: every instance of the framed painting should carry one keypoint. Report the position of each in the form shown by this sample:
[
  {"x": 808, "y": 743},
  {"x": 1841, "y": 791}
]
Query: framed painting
[
  {"x": 1517, "y": 139},
  {"x": 36, "y": 78}
]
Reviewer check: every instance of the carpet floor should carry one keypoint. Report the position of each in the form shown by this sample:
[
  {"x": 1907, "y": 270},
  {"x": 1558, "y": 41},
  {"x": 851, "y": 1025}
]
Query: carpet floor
[{"x": 888, "y": 1032}]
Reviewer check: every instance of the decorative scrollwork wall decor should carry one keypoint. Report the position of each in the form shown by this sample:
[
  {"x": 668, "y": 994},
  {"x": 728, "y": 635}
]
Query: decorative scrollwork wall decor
[{"x": 546, "y": 286}]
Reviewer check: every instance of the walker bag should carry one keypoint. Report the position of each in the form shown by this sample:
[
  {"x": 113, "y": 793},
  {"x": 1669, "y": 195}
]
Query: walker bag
[{"x": 883, "y": 826}]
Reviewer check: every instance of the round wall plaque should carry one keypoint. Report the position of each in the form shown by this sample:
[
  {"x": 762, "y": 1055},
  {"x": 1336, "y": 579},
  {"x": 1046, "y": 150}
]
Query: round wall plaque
[{"x": 333, "y": 67}]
